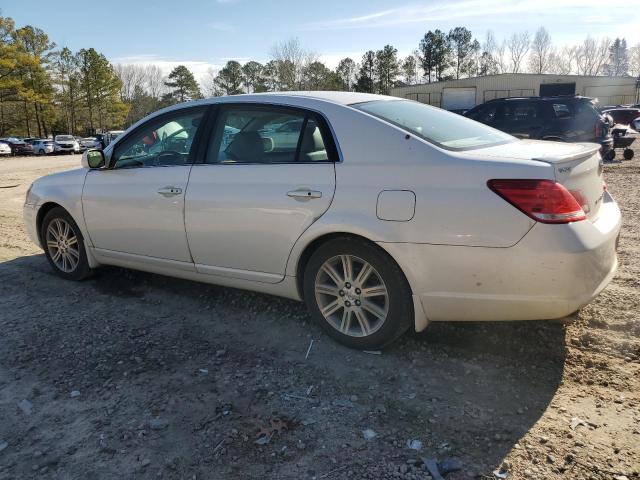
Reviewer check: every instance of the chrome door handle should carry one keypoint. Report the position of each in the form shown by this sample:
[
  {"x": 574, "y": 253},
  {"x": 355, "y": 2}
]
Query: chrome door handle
[
  {"x": 170, "y": 191},
  {"x": 302, "y": 193}
]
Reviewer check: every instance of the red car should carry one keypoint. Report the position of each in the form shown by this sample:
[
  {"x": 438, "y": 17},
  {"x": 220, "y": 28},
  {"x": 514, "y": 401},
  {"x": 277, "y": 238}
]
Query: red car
[{"x": 623, "y": 115}]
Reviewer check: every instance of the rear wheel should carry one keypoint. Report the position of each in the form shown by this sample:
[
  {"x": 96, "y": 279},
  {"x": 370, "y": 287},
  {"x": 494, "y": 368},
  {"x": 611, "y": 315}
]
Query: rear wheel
[
  {"x": 64, "y": 246},
  {"x": 357, "y": 293},
  {"x": 628, "y": 154}
]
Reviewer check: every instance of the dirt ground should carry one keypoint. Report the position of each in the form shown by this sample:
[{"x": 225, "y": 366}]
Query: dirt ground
[{"x": 132, "y": 376}]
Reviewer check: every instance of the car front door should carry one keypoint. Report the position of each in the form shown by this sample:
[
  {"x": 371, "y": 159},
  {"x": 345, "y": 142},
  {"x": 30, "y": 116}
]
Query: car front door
[
  {"x": 135, "y": 206},
  {"x": 257, "y": 191}
]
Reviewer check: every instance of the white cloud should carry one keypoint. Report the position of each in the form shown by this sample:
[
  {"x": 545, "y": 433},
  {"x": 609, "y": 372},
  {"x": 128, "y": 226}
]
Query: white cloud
[
  {"x": 199, "y": 68},
  {"x": 475, "y": 9},
  {"x": 221, "y": 27}
]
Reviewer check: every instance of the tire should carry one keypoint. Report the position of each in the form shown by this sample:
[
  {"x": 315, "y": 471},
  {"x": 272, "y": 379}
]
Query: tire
[
  {"x": 628, "y": 154},
  {"x": 352, "y": 317},
  {"x": 41, "y": 152},
  {"x": 75, "y": 259}
]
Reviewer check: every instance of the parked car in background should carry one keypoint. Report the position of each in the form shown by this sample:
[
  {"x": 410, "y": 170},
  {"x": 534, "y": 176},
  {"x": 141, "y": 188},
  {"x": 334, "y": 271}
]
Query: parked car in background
[
  {"x": 5, "y": 149},
  {"x": 563, "y": 119},
  {"x": 43, "y": 146},
  {"x": 18, "y": 147},
  {"x": 66, "y": 144},
  {"x": 111, "y": 135},
  {"x": 383, "y": 215},
  {"x": 90, "y": 142},
  {"x": 624, "y": 116}
]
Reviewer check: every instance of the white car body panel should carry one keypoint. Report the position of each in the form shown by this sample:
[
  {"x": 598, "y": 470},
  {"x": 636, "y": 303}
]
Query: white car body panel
[
  {"x": 466, "y": 253},
  {"x": 241, "y": 222},
  {"x": 124, "y": 212}
]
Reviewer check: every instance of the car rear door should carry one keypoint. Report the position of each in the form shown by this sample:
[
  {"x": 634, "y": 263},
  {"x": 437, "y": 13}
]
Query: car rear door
[
  {"x": 136, "y": 206},
  {"x": 522, "y": 119},
  {"x": 257, "y": 191}
]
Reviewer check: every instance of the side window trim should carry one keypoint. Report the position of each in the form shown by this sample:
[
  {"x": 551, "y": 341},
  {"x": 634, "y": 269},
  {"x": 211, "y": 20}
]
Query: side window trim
[
  {"x": 217, "y": 110},
  {"x": 157, "y": 119},
  {"x": 303, "y": 130}
]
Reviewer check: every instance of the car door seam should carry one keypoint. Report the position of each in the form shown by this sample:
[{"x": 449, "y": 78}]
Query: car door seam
[{"x": 184, "y": 214}]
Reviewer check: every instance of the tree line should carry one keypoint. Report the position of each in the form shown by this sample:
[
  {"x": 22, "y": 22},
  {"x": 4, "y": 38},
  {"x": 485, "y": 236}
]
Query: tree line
[{"x": 46, "y": 89}]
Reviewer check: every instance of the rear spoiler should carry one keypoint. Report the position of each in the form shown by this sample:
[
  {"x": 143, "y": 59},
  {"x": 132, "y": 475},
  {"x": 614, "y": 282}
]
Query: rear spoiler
[{"x": 587, "y": 150}]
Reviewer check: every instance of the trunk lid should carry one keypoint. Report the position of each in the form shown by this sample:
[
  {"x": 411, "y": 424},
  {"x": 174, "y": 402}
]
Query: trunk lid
[{"x": 578, "y": 167}]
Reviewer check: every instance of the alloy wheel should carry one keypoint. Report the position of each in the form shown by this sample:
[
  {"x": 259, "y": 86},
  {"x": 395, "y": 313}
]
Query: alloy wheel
[
  {"x": 62, "y": 245},
  {"x": 351, "y": 295}
]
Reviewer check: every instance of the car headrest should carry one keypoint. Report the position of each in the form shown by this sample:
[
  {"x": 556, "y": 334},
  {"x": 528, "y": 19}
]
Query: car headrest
[{"x": 246, "y": 147}]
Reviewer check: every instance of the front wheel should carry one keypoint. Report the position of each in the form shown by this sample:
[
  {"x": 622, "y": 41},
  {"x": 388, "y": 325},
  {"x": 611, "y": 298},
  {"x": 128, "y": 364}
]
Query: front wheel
[
  {"x": 64, "y": 246},
  {"x": 357, "y": 293}
]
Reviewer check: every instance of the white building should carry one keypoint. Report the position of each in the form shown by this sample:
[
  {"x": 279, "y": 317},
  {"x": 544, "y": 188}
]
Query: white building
[{"x": 467, "y": 92}]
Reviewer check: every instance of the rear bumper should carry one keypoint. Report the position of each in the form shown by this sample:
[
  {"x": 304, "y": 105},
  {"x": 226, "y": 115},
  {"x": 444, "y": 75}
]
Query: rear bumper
[{"x": 553, "y": 271}]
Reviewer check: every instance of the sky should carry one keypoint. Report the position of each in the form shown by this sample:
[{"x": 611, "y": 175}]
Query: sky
[{"x": 203, "y": 34}]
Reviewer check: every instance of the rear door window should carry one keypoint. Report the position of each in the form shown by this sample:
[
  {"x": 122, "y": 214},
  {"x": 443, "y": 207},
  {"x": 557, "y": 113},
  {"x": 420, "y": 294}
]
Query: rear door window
[
  {"x": 562, "y": 110},
  {"x": 522, "y": 112},
  {"x": 267, "y": 135}
]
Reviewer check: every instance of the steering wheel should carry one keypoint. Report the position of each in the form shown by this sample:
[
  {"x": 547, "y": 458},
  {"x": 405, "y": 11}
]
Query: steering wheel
[{"x": 167, "y": 153}]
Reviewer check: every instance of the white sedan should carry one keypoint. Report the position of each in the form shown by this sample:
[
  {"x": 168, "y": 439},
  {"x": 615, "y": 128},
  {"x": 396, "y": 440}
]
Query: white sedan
[{"x": 386, "y": 214}]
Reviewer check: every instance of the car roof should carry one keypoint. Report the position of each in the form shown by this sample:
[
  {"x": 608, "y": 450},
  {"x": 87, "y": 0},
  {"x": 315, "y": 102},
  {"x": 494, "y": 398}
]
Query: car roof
[
  {"x": 543, "y": 99},
  {"x": 297, "y": 99},
  {"x": 341, "y": 98},
  {"x": 621, "y": 109}
]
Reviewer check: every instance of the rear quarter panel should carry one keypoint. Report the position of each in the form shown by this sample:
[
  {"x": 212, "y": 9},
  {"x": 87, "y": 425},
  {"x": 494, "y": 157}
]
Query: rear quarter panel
[{"x": 454, "y": 206}]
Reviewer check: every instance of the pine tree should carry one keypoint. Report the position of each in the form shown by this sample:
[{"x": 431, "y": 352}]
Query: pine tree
[
  {"x": 387, "y": 69},
  {"x": 183, "y": 85},
  {"x": 366, "y": 76},
  {"x": 435, "y": 55},
  {"x": 229, "y": 80},
  {"x": 346, "y": 70}
]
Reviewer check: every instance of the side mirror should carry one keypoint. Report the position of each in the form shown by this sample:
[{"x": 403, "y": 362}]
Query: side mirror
[{"x": 95, "y": 158}]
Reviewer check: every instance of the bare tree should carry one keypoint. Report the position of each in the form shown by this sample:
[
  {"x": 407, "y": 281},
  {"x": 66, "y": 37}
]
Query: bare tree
[
  {"x": 292, "y": 60},
  {"x": 154, "y": 81},
  {"x": 518, "y": 46},
  {"x": 591, "y": 55},
  {"x": 501, "y": 57},
  {"x": 208, "y": 83},
  {"x": 634, "y": 60},
  {"x": 132, "y": 78},
  {"x": 561, "y": 62},
  {"x": 541, "y": 51}
]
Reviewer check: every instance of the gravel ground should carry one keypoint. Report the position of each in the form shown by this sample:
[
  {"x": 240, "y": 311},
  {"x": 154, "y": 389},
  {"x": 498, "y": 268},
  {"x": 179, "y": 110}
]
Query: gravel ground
[{"x": 134, "y": 375}]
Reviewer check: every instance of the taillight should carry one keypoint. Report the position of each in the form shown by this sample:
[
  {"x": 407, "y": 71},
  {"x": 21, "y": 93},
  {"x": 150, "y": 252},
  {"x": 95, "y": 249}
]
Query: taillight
[
  {"x": 598, "y": 130},
  {"x": 545, "y": 201}
]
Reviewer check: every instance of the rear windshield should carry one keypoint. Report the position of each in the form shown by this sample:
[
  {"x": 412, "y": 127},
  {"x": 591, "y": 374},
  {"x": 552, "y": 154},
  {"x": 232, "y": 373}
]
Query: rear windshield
[
  {"x": 64, "y": 138},
  {"x": 444, "y": 129}
]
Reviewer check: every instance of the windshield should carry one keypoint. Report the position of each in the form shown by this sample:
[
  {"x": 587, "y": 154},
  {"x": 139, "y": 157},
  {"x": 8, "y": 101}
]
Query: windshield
[
  {"x": 444, "y": 129},
  {"x": 64, "y": 138}
]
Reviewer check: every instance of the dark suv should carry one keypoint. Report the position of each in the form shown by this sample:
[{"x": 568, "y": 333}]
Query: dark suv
[{"x": 564, "y": 119}]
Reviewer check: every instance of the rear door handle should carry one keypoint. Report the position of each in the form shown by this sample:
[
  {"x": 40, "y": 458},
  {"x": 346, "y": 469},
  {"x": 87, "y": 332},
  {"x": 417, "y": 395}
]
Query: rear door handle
[
  {"x": 170, "y": 191},
  {"x": 302, "y": 193}
]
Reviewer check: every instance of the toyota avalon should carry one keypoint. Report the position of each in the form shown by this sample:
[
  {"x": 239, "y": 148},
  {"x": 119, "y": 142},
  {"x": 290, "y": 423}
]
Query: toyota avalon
[{"x": 382, "y": 214}]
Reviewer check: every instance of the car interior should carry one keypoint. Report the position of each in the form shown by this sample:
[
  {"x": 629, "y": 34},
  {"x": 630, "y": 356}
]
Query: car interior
[
  {"x": 259, "y": 136},
  {"x": 166, "y": 143}
]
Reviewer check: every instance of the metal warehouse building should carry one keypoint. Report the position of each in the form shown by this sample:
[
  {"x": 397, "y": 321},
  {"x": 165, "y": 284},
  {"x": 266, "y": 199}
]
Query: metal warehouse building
[{"x": 467, "y": 92}]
